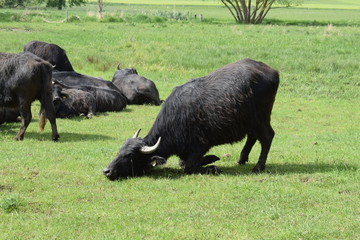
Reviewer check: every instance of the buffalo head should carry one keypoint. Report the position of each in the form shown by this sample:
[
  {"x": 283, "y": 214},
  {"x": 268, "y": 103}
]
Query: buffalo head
[
  {"x": 126, "y": 71},
  {"x": 134, "y": 158}
]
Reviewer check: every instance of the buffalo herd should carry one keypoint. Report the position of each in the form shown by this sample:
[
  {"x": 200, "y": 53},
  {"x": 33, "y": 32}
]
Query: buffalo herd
[{"x": 226, "y": 106}]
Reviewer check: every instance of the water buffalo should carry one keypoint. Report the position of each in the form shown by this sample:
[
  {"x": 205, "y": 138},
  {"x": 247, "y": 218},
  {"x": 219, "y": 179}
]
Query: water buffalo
[
  {"x": 8, "y": 115},
  {"x": 51, "y": 53},
  {"x": 137, "y": 89},
  {"x": 73, "y": 102},
  {"x": 24, "y": 78},
  {"x": 107, "y": 100},
  {"x": 223, "y": 107},
  {"x": 77, "y": 79}
]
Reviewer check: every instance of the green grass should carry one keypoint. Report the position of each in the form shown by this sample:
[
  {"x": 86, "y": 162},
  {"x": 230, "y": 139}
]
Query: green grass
[
  {"x": 310, "y": 189},
  {"x": 324, "y": 4},
  {"x": 333, "y": 4}
]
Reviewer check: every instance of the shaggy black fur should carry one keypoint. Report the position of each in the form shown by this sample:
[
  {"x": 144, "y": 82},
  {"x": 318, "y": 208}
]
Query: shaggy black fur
[
  {"x": 223, "y": 107},
  {"x": 137, "y": 89},
  {"x": 23, "y": 79},
  {"x": 51, "y": 53}
]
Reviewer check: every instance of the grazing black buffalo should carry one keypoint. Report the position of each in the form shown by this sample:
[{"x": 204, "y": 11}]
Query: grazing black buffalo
[
  {"x": 106, "y": 99},
  {"x": 51, "y": 53},
  {"x": 24, "y": 78},
  {"x": 222, "y": 107},
  {"x": 73, "y": 102},
  {"x": 77, "y": 79},
  {"x": 137, "y": 89}
]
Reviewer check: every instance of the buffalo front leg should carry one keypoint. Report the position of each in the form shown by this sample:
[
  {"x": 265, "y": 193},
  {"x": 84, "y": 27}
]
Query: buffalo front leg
[
  {"x": 48, "y": 106},
  {"x": 204, "y": 160},
  {"x": 265, "y": 139},
  {"x": 195, "y": 162},
  {"x": 244, "y": 155},
  {"x": 25, "y": 113}
]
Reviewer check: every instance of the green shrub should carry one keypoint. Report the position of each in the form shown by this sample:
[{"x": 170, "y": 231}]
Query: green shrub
[
  {"x": 9, "y": 17},
  {"x": 179, "y": 16},
  {"x": 113, "y": 19},
  {"x": 11, "y": 204},
  {"x": 74, "y": 19}
]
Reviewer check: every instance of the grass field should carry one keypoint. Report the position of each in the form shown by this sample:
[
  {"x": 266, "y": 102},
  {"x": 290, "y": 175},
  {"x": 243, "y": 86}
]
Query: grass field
[
  {"x": 310, "y": 189},
  {"x": 332, "y": 4}
]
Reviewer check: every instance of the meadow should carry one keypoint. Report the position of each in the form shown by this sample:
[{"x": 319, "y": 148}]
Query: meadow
[{"x": 310, "y": 189}]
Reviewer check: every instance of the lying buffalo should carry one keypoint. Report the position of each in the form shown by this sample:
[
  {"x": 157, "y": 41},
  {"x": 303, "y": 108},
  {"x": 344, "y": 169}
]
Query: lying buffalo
[
  {"x": 73, "y": 102},
  {"x": 137, "y": 89},
  {"x": 78, "y": 79},
  {"x": 9, "y": 115},
  {"x": 223, "y": 107},
  {"x": 25, "y": 78},
  {"x": 106, "y": 100},
  {"x": 51, "y": 53}
]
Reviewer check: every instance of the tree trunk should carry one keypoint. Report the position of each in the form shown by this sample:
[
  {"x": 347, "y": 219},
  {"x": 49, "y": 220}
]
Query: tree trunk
[
  {"x": 101, "y": 8},
  {"x": 244, "y": 12}
]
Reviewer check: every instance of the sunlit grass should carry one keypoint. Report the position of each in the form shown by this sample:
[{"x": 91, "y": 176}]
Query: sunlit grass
[{"x": 310, "y": 187}]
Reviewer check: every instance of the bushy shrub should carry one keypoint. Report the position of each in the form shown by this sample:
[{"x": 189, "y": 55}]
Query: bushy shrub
[
  {"x": 10, "y": 17},
  {"x": 179, "y": 16},
  {"x": 12, "y": 3},
  {"x": 10, "y": 204},
  {"x": 74, "y": 18},
  {"x": 114, "y": 19}
]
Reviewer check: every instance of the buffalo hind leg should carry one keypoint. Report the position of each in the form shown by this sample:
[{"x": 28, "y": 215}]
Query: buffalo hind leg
[
  {"x": 51, "y": 115},
  {"x": 265, "y": 138},
  {"x": 25, "y": 113},
  {"x": 54, "y": 135},
  {"x": 244, "y": 155}
]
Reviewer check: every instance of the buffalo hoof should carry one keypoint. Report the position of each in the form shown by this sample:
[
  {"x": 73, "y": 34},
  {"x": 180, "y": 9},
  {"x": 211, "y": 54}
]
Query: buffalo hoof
[
  {"x": 212, "y": 169},
  {"x": 242, "y": 161},
  {"x": 56, "y": 137},
  {"x": 181, "y": 163},
  {"x": 258, "y": 168},
  {"x": 17, "y": 138}
]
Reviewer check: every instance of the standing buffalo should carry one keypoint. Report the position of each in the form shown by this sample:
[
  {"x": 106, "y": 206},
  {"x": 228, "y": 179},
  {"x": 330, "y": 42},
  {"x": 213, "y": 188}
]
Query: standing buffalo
[
  {"x": 51, "y": 53},
  {"x": 137, "y": 89},
  {"x": 23, "y": 79},
  {"x": 222, "y": 107}
]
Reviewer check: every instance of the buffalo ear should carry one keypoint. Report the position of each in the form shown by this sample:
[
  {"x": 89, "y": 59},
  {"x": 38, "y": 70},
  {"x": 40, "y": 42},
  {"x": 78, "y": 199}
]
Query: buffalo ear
[{"x": 157, "y": 161}]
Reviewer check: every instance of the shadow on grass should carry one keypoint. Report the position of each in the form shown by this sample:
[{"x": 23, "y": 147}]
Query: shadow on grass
[
  {"x": 271, "y": 169},
  {"x": 64, "y": 136},
  {"x": 98, "y": 114},
  {"x": 67, "y": 137},
  {"x": 307, "y": 23}
]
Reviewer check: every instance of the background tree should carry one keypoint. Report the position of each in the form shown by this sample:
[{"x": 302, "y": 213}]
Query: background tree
[
  {"x": 253, "y": 12},
  {"x": 63, "y": 3},
  {"x": 101, "y": 8},
  {"x": 12, "y": 3}
]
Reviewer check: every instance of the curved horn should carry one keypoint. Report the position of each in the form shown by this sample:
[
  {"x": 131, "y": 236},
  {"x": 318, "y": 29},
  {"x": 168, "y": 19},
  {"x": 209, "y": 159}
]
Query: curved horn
[
  {"x": 118, "y": 67},
  {"x": 137, "y": 133},
  {"x": 148, "y": 150}
]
